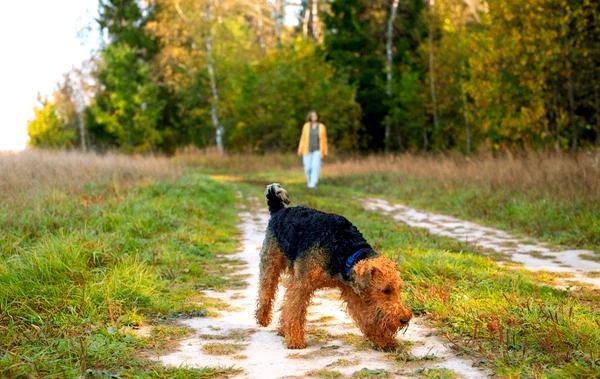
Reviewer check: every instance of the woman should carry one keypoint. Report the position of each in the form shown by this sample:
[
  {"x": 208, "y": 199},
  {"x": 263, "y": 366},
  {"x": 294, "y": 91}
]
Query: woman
[{"x": 312, "y": 147}]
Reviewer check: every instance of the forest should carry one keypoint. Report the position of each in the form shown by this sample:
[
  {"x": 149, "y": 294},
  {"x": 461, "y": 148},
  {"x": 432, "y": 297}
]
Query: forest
[{"x": 393, "y": 76}]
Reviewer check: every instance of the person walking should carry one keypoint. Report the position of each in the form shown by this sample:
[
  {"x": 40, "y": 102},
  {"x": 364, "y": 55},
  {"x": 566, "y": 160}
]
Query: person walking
[{"x": 312, "y": 148}]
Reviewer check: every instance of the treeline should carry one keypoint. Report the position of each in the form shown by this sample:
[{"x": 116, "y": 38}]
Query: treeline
[{"x": 384, "y": 75}]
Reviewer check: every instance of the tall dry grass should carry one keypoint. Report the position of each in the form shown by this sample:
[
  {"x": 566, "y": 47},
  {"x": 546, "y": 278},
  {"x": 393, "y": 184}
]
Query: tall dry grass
[
  {"x": 568, "y": 176},
  {"x": 240, "y": 162},
  {"x": 25, "y": 174}
]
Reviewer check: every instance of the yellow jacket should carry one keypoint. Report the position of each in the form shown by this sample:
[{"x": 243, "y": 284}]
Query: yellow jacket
[{"x": 303, "y": 145}]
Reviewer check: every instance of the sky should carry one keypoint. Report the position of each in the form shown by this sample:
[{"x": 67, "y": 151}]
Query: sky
[{"x": 41, "y": 40}]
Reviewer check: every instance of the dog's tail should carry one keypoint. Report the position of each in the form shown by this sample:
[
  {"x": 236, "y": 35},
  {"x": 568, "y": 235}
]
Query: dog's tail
[{"x": 276, "y": 197}]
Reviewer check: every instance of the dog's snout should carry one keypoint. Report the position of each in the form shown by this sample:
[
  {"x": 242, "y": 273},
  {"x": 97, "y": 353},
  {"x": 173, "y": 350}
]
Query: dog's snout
[{"x": 405, "y": 319}]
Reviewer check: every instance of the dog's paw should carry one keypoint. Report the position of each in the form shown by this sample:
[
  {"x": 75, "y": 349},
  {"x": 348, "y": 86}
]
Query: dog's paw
[
  {"x": 295, "y": 345},
  {"x": 263, "y": 318}
]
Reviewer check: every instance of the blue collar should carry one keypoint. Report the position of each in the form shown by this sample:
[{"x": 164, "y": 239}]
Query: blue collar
[{"x": 353, "y": 259}]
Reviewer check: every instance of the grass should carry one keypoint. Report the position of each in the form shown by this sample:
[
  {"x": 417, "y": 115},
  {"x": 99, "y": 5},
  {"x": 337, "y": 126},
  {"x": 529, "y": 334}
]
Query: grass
[
  {"x": 82, "y": 265},
  {"x": 402, "y": 354},
  {"x": 344, "y": 363},
  {"x": 222, "y": 348},
  {"x": 436, "y": 373},
  {"x": 563, "y": 222},
  {"x": 366, "y": 373},
  {"x": 122, "y": 245},
  {"x": 324, "y": 373},
  {"x": 232, "y": 334},
  {"x": 164, "y": 337},
  {"x": 31, "y": 173}
]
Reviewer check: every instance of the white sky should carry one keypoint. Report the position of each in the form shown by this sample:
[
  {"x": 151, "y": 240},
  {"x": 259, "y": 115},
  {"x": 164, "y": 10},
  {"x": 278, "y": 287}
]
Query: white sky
[{"x": 40, "y": 40}]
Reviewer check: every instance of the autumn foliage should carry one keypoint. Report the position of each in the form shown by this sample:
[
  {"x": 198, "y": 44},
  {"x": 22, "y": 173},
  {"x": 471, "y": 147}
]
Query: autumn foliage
[{"x": 463, "y": 75}]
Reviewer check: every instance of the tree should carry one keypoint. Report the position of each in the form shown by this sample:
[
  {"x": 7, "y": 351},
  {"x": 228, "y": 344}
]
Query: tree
[
  {"x": 58, "y": 121},
  {"x": 389, "y": 43},
  {"x": 533, "y": 72},
  {"x": 384, "y": 74},
  {"x": 128, "y": 108},
  {"x": 267, "y": 103},
  {"x": 355, "y": 49},
  {"x": 357, "y": 43},
  {"x": 50, "y": 129}
]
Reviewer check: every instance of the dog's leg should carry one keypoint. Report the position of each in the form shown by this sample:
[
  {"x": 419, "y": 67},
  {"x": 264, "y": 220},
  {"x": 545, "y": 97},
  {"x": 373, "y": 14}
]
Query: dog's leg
[
  {"x": 272, "y": 263},
  {"x": 293, "y": 313}
]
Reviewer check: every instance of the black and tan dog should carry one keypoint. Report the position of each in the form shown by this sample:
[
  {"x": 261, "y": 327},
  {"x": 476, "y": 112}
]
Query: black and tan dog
[{"x": 320, "y": 250}]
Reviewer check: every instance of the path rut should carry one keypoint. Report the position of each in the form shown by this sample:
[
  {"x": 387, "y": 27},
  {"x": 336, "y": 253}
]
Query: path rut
[
  {"x": 334, "y": 343},
  {"x": 534, "y": 256}
]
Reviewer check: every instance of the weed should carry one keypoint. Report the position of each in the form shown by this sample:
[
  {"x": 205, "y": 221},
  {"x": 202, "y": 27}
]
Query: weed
[
  {"x": 222, "y": 348},
  {"x": 344, "y": 363},
  {"x": 232, "y": 334},
  {"x": 366, "y": 373},
  {"x": 164, "y": 337},
  {"x": 359, "y": 342},
  {"x": 324, "y": 374},
  {"x": 436, "y": 373},
  {"x": 590, "y": 257}
]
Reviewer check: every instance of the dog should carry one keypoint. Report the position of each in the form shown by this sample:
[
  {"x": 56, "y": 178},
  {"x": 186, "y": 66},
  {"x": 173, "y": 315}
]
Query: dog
[{"x": 319, "y": 250}]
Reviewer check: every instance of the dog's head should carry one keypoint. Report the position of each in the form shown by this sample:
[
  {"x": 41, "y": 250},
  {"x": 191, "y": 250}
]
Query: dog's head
[{"x": 379, "y": 311}]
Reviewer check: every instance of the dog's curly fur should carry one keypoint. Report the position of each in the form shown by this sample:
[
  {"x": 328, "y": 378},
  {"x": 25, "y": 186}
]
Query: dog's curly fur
[{"x": 320, "y": 250}]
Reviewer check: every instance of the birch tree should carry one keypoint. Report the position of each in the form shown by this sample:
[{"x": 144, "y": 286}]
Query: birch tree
[
  {"x": 389, "y": 64},
  {"x": 431, "y": 70},
  {"x": 279, "y": 12},
  {"x": 310, "y": 22},
  {"x": 208, "y": 44},
  {"x": 214, "y": 106}
]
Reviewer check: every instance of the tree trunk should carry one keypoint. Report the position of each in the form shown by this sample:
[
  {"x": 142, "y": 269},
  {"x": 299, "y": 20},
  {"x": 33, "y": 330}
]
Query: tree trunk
[
  {"x": 571, "y": 98},
  {"x": 432, "y": 76},
  {"x": 80, "y": 116},
  {"x": 597, "y": 102},
  {"x": 389, "y": 66},
  {"x": 259, "y": 24},
  {"x": 314, "y": 19},
  {"x": 280, "y": 18},
  {"x": 214, "y": 105},
  {"x": 310, "y": 21},
  {"x": 467, "y": 126},
  {"x": 305, "y": 21}
]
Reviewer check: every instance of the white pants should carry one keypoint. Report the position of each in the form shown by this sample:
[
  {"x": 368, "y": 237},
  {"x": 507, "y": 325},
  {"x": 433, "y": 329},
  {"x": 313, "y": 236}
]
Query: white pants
[{"x": 312, "y": 167}]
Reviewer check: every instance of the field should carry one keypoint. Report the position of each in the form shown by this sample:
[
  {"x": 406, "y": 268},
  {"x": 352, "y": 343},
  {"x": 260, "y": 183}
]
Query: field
[{"x": 94, "y": 250}]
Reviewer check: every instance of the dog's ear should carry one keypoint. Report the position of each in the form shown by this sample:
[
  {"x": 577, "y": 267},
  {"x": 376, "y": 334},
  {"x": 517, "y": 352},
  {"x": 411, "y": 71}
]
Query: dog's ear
[
  {"x": 362, "y": 273},
  {"x": 283, "y": 194}
]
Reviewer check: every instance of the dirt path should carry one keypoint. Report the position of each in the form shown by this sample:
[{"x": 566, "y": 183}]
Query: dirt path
[
  {"x": 335, "y": 346},
  {"x": 532, "y": 255}
]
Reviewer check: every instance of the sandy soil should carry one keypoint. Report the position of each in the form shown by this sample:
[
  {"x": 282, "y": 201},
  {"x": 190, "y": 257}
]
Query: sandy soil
[
  {"x": 335, "y": 346},
  {"x": 531, "y": 255}
]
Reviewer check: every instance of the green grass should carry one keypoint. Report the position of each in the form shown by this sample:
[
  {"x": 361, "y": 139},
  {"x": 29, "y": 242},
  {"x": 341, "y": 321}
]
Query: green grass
[
  {"x": 436, "y": 373},
  {"x": 324, "y": 374},
  {"x": 572, "y": 223},
  {"x": 222, "y": 348},
  {"x": 76, "y": 270},
  {"x": 506, "y": 319},
  {"x": 366, "y": 373}
]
